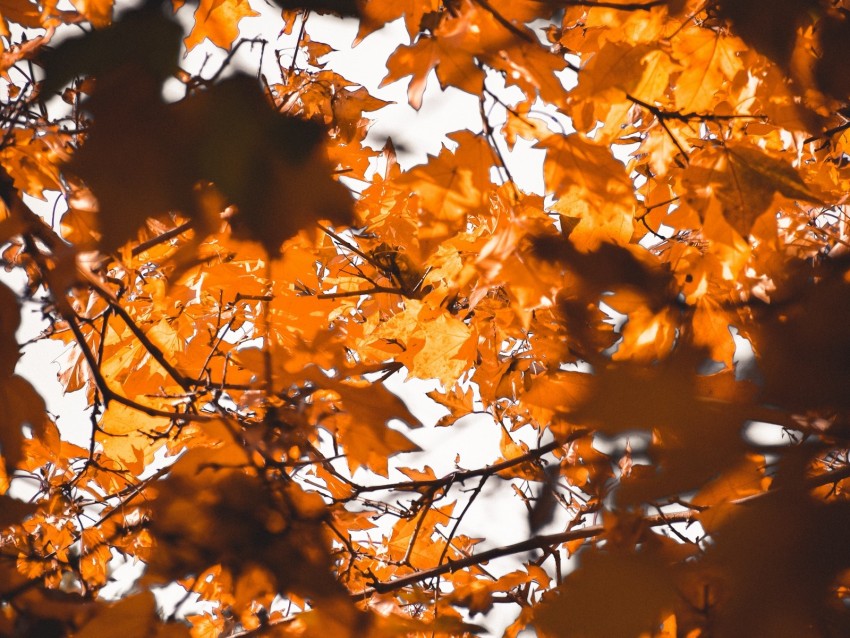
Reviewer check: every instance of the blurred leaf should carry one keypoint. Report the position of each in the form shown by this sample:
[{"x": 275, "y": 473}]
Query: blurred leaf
[
  {"x": 609, "y": 594},
  {"x": 270, "y": 166}
]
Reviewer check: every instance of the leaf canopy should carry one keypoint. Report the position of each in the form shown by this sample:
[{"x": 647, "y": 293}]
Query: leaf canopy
[{"x": 620, "y": 303}]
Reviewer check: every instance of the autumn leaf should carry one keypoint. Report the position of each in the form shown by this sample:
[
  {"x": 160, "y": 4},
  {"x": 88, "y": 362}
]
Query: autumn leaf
[
  {"x": 744, "y": 179},
  {"x": 436, "y": 347},
  {"x": 451, "y": 186},
  {"x": 472, "y": 33},
  {"x": 412, "y": 540},
  {"x": 218, "y": 20},
  {"x": 709, "y": 60},
  {"x": 32, "y": 163},
  {"x": 591, "y": 185},
  {"x": 348, "y": 108},
  {"x": 366, "y": 434},
  {"x": 22, "y": 12},
  {"x": 23, "y": 408},
  {"x": 459, "y": 401},
  {"x": 450, "y": 51},
  {"x": 375, "y": 15},
  {"x": 617, "y": 72},
  {"x": 98, "y": 12}
]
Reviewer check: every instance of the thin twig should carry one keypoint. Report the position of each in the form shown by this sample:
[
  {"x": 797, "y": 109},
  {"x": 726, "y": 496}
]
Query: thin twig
[
  {"x": 460, "y": 477},
  {"x": 161, "y": 238}
]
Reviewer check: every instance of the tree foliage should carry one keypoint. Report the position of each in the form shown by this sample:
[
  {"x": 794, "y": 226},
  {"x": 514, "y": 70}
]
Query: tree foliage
[{"x": 236, "y": 274}]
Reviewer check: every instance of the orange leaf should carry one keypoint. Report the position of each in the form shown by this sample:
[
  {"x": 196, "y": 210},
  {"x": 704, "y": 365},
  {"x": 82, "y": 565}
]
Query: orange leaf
[{"x": 218, "y": 21}]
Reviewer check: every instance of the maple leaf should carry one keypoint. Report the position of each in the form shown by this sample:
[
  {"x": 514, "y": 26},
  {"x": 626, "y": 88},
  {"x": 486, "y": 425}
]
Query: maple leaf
[
  {"x": 472, "y": 33},
  {"x": 348, "y": 107},
  {"x": 459, "y": 401},
  {"x": 24, "y": 13},
  {"x": 32, "y": 163},
  {"x": 451, "y": 186},
  {"x": 98, "y": 12},
  {"x": 617, "y": 71},
  {"x": 591, "y": 185},
  {"x": 451, "y": 51},
  {"x": 744, "y": 179},
  {"x": 24, "y": 51},
  {"x": 708, "y": 61},
  {"x": 23, "y": 408},
  {"x": 376, "y": 14},
  {"x": 436, "y": 346},
  {"x": 413, "y": 539},
  {"x": 218, "y": 21},
  {"x": 455, "y": 67},
  {"x": 366, "y": 434}
]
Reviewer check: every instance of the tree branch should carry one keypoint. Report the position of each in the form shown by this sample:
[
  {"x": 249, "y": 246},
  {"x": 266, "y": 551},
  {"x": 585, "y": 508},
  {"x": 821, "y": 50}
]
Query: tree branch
[
  {"x": 549, "y": 540},
  {"x": 460, "y": 477},
  {"x": 161, "y": 238},
  {"x": 601, "y": 4}
]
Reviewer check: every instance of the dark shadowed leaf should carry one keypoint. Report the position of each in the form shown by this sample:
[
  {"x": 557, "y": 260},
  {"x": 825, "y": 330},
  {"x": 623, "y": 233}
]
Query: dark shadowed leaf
[
  {"x": 619, "y": 595},
  {"x": 780, "y": 557},
  {"x": 767, "y": 25},
  {"x": 270, "y": 166}
]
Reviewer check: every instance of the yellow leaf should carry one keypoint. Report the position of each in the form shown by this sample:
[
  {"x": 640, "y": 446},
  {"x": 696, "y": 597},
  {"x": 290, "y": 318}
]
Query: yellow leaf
[
  {"x": 435, "y": 345},
  {"x": 709, "y": 61},
  {"x": 451, "y": 186},
  {"x": 592, "y": 185}
]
